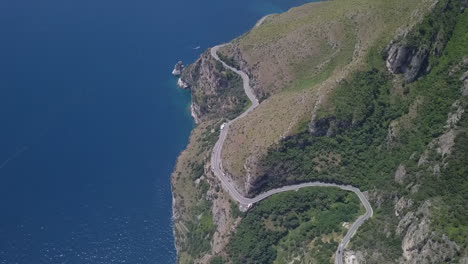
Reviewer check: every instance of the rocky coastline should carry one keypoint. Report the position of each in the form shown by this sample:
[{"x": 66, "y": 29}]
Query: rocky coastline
[
  {"x": 178, "y": 68},
  {"x": 198, "y": 198},
  {"x": 182, "y": 84}
]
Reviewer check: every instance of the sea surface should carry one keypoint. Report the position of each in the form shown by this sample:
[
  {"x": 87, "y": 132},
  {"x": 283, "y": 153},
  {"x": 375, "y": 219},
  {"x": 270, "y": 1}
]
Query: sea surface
[{"x": 91, "y": 122}]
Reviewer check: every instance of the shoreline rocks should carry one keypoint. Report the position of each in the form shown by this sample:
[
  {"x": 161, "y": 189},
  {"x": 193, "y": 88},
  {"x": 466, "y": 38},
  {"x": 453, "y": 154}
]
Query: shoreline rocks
[
  {"x": 182, "y": 84},
  {"x": 178, "y": 68}
]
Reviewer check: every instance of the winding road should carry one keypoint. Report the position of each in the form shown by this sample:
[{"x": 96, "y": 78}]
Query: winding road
[{"x": 244, "y": 202}]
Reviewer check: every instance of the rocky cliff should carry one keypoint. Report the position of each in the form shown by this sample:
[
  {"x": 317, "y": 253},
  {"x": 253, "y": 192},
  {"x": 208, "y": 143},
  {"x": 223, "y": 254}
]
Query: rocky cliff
[
  {"x": 420, "y": 211},
  {"x": 391, "y": 120},
  {"x": 409, "y": 53},
  {"x": 203, "y": 213},
  {"x": 216, "y": 91},
  {"x": 408, "y": 109}
]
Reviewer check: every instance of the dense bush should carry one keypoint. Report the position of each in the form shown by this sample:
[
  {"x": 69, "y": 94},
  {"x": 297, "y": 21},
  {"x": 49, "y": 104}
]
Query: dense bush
[
  {"x": 365, "y": 101},
  {"x": 359, "y": 155},
  {"x": 364, "y": 156},
  {"x": 290, "y": 220},
  {"x": 229, "y": 61},
  {"x": 200, "y": 229}
]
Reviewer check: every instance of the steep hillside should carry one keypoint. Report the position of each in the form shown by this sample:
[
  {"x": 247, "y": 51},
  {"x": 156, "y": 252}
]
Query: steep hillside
[
  {"x": 349, "y": 94},
  {"x": 216, "y": 91},
  {"x": 295, "y": 59},
  {"x": 400, "y": 135}
]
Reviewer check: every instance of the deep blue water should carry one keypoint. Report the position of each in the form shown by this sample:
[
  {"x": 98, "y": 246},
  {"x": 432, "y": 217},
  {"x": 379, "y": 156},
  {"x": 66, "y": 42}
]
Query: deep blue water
[{"x": 92, "y": 122}]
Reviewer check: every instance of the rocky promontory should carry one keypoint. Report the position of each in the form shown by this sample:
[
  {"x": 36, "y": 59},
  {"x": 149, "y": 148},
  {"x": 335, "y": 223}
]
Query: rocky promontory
[
  {"x": 390, "y": 120},
  {"x": 178, "y": 68},
  {"x": 216, "y": 91},
  {"x": 182, "y": 84}
]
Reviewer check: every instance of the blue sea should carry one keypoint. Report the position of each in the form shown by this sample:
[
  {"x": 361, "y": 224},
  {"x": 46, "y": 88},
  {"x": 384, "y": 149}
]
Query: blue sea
[{"x": 91, "y": 122}]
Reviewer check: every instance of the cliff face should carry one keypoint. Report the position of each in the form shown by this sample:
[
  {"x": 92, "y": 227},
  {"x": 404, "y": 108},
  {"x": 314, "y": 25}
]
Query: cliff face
[
  {"x": 391, "y": 122},
  {"x": 216, "y": 91},
  {"x": 328, "y": 126},
  {"x": 409, "y": 54},
  {"x": 412, "y": 62},
  {"x": 420, "y": 210},
  {"x": 420, "y": 243},
  {"x": 202, "y": 212},
  {"x": 233, "y": 56},
  {"x": 296, "y": 59},
  {"x": 397, "y": 129},
  {"x": 203, "y": 219}
]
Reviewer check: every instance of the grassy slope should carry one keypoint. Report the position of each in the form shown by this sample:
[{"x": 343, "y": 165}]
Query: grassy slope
[
  {"x": 363, "y": 156},
  {"x": 283, "y": 112},
  {"x": 366, "y": 98},
  {"x": 189, "y": 199},
  {"x": 298, "y": 57}
]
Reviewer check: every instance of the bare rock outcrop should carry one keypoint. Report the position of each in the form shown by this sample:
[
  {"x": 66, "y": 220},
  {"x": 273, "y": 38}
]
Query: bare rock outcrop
[
  {"x": 464, "y": 88},
  {"x": 401, "y": 205},
  {"x": 409, "y": 53},
  {"x": 182, "y": 84},
  {"x": 178, "y": 68},
  {"x": 216, "y": 91},
  {"x": 443, "y": 145},
  {"x": 353, "y": 257},
  {"x": 421, "y": 244},
  {"x": 329, "y": 126},
  {"x": 406, "y": 60},
  {"x": 233, "y": 56},
  {"x": 400, "y": 174},
  {"x": 225, "y": 223},
  {"x": 455, "y": 116}
]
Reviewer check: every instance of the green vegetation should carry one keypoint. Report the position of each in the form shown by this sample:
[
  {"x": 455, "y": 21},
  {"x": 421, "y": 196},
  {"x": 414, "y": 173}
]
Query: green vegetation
[
  {"x": 195, "y": 232},
  {"x": 376, "y": 122},
  {"x": 452, "y": 184},
  {"x": 217, "y": 260},
  {"x": 197, "y": 228},
  {"x": 229, "y": 60},
  {"x": 362, "y": 153},
  {"x": 363, "y": 101},
  {"x": 233, "y": 93},
  {"x": 217, "y": 94},
  {"x": 452, "y": 214},
  {"x": 364, "y": 87},
  {"x": 366, "y": 106},
  {"x": 235, "y": 210},
  {"x": 372, "y": 238},
  {"x": 206, "y": 141},
  {"x": 318, "y": 43},
  {"x": 436, "y": 28},
  {"x": 289, "y": 221},
  {"x": 209, "y": 136},
  {"x": 200, "y": 229}
]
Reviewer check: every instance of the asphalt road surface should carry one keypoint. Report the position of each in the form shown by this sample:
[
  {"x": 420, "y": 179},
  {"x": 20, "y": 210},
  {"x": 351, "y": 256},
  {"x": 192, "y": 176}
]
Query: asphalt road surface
[{"x": 244, "y": 202}]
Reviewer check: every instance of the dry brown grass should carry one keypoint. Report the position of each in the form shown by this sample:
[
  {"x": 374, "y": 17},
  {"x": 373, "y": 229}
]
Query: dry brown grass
[{"x": 298, "y": 57}]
